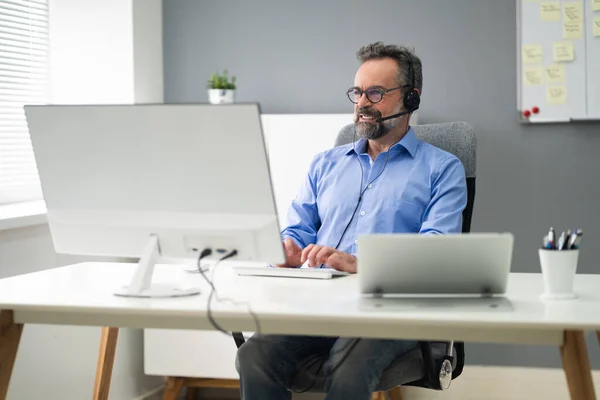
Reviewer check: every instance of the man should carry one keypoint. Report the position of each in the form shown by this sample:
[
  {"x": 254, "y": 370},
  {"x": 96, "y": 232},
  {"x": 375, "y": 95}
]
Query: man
[{"x": 387, "y": 181}]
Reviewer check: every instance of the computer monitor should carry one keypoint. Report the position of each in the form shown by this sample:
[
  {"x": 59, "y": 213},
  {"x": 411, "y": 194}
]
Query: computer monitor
[{"x": 156, "y": 181}]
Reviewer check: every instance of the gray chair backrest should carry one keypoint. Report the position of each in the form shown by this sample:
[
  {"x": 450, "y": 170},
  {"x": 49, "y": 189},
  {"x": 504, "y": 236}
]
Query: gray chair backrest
[{"x": 457, "y": 138}]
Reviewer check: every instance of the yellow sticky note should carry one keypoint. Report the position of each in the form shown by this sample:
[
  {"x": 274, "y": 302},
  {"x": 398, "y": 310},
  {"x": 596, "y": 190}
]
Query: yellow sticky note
[
  {"x": 533, "y": 75},
  {"x": 572, "y": 30},
  {"x": 532, "y": 54},
  {"x": 555, "y": 73},
  {"x": 573, "y": 11},
  {"x": 596, "y": 5},
  {"x": 563, "y": 51},
  {"x": 550, "y": 11},
  {"x": 556, "y": 95},
  {"x": 596, "y": 26}
]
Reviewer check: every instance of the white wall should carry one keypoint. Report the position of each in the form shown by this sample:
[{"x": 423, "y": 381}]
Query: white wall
[{"x": 96, "y": 57}]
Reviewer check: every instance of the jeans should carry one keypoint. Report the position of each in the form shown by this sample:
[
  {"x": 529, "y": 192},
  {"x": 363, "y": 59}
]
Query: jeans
[{"x": 267, "y": 364}]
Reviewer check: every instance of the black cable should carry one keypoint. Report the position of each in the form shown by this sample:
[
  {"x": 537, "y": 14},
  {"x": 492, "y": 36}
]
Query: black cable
[{"x": 213, "y": 292}]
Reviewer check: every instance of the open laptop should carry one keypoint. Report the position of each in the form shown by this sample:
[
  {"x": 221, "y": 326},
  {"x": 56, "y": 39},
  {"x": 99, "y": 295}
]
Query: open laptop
[{"x": 410, "y": 265}]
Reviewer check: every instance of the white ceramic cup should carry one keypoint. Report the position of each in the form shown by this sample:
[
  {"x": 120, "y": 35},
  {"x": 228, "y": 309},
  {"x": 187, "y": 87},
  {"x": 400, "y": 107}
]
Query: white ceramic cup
[{"x": 558, "y": 271}]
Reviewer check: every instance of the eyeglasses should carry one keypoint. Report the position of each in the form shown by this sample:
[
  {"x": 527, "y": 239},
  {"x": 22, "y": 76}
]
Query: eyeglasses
[{"x": 374, "y": 93}]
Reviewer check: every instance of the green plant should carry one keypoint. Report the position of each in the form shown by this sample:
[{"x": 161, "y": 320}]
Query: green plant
[{"x": 221, "y": 81}]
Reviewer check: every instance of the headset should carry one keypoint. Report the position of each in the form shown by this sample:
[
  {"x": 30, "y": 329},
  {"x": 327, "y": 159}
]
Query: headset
[{"x": 412, "y": 98}]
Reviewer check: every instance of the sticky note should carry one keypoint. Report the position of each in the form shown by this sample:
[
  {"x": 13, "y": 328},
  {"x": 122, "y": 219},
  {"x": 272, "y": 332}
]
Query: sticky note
[
  {"x": 572, "y": 30},
  {"x": 533, "y": 76},
  {"x": 555, "y": 73},
  {"x": 556, "y": 95},
  {"x": 595, "y": 5},
  {"x": 532, "y": 54},
  {"x": 550, "y": 11},
  {"x": 596, "y": 26},
  {"x": 563, "y": 51},
  {"x": 573, "y": 11}
]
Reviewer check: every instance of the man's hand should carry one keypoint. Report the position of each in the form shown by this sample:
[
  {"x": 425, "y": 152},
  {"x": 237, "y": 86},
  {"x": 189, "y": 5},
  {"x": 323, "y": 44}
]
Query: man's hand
[
  {"x": 292, "y": 254},
  {"x": 330, "y": 257}
]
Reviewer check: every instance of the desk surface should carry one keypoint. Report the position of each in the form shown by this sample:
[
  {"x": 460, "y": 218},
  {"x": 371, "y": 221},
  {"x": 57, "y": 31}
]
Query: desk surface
[{"x": 82, "y": 294}]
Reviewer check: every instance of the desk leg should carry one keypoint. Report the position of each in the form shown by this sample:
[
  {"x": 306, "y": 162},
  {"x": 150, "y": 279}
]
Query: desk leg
[
  {"x": 10, "y": 336},
  {"x": 173, "y": 388},
  {"x": 395, "y": 393},
  {"x": 576, "y": 364},
  {"x": 106, "y": 359}
]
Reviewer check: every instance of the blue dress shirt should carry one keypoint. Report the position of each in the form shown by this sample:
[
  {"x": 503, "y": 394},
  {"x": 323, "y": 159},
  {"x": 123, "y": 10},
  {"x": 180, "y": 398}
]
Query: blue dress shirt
[{"x": 421, "y": 189}]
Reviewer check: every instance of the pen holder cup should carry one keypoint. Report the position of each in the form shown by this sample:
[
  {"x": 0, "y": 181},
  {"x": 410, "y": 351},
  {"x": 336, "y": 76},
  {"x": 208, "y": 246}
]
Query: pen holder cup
[{"x": 558, "y": 272}]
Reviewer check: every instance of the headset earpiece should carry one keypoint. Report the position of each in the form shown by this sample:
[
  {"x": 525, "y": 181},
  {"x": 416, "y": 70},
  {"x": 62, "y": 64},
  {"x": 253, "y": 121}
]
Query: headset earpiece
[{"x": 412, "y": 98}]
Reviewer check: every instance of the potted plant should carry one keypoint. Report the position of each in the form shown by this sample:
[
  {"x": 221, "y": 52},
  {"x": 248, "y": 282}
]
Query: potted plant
[{"x": 221, "y": 89}]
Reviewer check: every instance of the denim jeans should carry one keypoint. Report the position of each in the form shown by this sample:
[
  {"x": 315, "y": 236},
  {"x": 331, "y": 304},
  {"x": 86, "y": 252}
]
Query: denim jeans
[{"x": 267, "y": 363}]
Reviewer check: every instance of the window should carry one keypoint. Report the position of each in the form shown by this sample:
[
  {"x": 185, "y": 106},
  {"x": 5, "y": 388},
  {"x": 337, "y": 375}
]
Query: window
[{"x": 24, "y": 79}]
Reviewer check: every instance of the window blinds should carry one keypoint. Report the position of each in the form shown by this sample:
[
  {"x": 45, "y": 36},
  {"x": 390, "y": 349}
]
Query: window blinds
[{"x": 24, "y": 80}]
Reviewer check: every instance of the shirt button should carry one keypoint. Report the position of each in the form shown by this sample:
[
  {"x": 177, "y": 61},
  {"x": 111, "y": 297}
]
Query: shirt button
[
  {"x": 362, "y": 213},
  {"x": 370, "y": 186},
  {"x": 356, "y": 242}
]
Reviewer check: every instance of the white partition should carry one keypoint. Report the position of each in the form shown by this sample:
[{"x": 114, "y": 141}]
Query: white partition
[{"x": 292, "y": 141}]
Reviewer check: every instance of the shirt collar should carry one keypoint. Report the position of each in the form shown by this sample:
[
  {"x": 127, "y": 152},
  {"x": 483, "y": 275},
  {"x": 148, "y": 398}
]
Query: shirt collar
[{"x": 409, "y": 142}]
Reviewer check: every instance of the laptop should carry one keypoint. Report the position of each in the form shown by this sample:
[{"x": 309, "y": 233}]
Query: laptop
[{"x": 474, "y": 264}]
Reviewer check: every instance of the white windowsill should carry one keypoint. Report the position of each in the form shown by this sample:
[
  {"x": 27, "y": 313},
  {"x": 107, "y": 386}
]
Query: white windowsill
[{"x": 21, "y": 215}]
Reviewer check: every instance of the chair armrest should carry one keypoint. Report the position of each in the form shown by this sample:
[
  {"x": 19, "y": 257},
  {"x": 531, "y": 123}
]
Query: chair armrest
[{"x": 239, "y": 339}]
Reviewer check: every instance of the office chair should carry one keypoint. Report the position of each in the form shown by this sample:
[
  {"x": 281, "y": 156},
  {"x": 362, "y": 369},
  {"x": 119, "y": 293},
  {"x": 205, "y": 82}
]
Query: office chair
[{"x": 424, "y": 366}]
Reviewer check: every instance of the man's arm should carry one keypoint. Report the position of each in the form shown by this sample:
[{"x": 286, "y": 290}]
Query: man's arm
[
  {"x": 303, "y": 222},
  {"x": 449, "y": 199}
]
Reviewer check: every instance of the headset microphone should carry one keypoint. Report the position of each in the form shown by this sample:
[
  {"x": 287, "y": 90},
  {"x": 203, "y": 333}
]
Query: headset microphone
[{"x": 381, "y": 119}]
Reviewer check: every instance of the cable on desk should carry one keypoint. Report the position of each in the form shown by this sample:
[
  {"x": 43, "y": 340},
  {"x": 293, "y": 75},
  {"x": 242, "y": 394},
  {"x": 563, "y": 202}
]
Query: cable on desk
[{"x": 213, "y": 291}]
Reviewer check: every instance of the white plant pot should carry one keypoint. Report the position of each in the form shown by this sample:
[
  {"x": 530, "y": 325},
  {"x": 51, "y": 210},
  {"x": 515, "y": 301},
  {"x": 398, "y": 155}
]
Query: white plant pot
[{"x": 221, "y": 96}]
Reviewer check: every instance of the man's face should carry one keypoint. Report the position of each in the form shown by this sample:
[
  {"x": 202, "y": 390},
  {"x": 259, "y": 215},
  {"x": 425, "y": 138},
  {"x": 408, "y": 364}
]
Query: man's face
[{"x": 381, "y": 73}]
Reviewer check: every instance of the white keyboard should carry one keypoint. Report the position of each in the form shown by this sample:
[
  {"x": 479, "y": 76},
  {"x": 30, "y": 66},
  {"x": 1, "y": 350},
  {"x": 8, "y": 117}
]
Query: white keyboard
[{"x": 311, "y": 273}]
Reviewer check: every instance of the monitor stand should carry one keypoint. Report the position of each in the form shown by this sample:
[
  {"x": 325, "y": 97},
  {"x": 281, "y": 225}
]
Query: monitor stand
[{"x": 141, "y": 284}]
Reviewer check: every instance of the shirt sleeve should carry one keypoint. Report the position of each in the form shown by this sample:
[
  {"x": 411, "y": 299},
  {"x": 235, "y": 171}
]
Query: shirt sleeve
[
  {"x": 449, "y": 198},
  {"x": 303, "y": 221}
]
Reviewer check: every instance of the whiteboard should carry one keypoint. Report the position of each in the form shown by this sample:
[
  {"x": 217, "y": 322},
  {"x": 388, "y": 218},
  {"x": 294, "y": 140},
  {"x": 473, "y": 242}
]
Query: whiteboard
[{"x": 558, "y": 60}]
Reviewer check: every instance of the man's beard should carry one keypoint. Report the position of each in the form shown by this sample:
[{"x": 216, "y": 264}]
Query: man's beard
[{"x": 374, "y": 130}]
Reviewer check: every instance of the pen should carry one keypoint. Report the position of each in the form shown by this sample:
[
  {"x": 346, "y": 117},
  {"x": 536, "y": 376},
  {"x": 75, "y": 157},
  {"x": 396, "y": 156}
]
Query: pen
[
  {"x": 578, "y": 239},
  {"x": 561, "y": 241},
  {"x": 552, "y": 238},
  {"x": 572, "y": 238}
]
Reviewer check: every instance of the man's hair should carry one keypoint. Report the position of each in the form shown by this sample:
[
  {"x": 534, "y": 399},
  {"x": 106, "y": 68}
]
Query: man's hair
[{"x": 401, "y": 55}]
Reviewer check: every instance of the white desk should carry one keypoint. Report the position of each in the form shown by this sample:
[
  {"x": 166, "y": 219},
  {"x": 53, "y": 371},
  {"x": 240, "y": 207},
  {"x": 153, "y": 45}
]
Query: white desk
[{"x": 81, "y": 294}]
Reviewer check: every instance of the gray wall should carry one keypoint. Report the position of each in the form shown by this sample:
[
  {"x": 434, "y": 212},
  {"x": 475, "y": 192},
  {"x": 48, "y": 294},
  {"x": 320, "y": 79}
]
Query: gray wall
[{"x": 299, "y": 57}]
